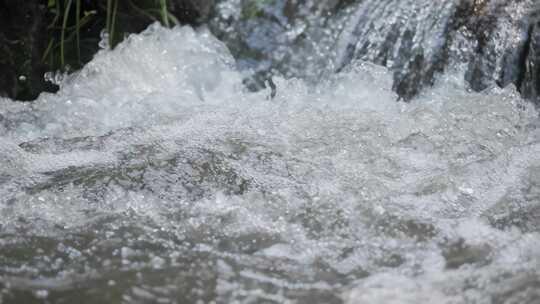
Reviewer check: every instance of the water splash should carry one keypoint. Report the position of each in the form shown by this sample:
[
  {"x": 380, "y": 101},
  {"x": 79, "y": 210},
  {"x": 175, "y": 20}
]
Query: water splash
[{"x": 155, "y": 176}]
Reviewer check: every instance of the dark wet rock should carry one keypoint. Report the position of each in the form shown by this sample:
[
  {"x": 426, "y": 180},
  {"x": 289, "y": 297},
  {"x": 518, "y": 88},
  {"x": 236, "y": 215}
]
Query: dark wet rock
[
  {"x": 529, "y": 78},
  {"x": 494, "y": 41}
]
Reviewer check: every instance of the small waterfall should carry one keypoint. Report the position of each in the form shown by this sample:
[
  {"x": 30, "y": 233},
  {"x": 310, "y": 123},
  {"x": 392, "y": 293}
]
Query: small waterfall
[{"x": 490, "y": 42}]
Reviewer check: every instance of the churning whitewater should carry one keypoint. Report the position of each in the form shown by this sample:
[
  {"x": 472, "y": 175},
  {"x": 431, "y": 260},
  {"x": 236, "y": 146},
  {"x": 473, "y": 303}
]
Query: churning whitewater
[{"x": 155, "y": 176}]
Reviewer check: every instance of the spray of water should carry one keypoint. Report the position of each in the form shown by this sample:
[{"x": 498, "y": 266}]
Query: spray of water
[{"x": 155, "y": 176}]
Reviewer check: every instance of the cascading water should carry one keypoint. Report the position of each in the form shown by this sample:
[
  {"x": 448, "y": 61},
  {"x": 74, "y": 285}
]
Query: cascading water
[{"x": 155, "y": 176}]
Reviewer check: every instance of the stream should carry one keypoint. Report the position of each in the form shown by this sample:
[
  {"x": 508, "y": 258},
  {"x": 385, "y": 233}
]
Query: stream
[{"x": 158, "y": 175}]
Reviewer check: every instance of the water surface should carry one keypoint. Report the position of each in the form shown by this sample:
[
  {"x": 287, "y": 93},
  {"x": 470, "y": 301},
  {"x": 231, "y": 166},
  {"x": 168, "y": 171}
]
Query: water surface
[{"x": 155, "y": 176}]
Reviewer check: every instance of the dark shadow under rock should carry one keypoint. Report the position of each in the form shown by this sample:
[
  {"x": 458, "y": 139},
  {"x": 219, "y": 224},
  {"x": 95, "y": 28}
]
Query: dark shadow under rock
[{"x": 23, "y": 30}]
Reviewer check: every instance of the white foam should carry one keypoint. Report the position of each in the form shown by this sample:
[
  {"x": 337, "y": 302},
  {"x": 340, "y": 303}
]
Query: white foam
[{"x": 337, "y": 172}]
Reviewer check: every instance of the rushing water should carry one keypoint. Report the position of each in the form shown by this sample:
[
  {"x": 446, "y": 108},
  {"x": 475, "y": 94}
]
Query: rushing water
[{"x": 155, "y": 176}]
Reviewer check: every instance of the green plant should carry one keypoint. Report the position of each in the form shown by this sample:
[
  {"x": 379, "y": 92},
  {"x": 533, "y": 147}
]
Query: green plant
[
  {"x": 71, "y": 17},
  {"x": 164, "y": 12},
  {"x": 62, "y": 32},
  {"x": 63, "y": 35},
  {"x": 112, "y": 9}
]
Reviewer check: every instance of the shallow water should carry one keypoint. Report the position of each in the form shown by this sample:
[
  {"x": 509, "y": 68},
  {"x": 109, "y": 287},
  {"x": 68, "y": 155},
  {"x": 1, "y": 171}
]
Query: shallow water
[{"x": 154, "y": 176}]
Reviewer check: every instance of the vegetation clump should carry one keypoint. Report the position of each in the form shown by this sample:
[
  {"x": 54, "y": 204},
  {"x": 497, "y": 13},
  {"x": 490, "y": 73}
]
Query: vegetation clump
[
  {"x": 66, "y": 48},
  {"x": 62, "y": 35}
]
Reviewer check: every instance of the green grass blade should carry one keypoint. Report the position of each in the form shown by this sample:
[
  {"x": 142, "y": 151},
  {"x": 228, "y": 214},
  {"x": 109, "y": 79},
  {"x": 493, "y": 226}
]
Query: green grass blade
[
  {"x": 108, "y": 22},
  {"x": 63, "y": 35},
  {"x": 48, "y": 50},
  {"x": 109, "y": 10},
  {"x": 78, "y": 28},
  {"x": 164, "y": 13},
  {"x": 87, "y": 18},
  {"x": 56, "y": 14},
  {"x": 113, "y": 24},
  {"x": 173, "y": 19}
]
